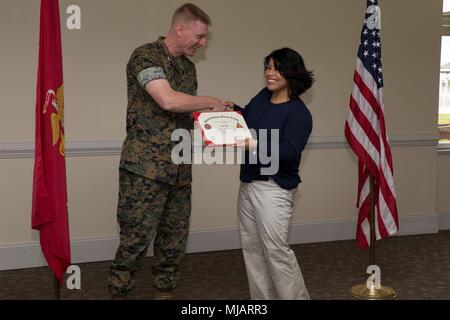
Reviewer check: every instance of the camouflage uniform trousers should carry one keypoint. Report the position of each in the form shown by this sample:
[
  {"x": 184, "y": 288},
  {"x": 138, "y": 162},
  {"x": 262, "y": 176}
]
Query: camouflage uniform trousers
[{"x": 149, "y": 209}]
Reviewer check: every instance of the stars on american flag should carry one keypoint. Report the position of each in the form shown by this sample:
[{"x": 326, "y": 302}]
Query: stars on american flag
[{"x": 370, "y": 52}]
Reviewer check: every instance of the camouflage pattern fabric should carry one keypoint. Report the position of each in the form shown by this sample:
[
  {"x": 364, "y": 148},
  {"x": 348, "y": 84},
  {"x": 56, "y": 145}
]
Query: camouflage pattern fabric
[
  {"x": 148, "y": 208},
  {"x": 147, "y": 147},
  {"x": 154, "y": 193}
]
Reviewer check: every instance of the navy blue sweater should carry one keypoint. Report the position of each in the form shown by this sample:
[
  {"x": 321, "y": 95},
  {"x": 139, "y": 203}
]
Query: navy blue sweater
[{"x": 294, "y": 122}]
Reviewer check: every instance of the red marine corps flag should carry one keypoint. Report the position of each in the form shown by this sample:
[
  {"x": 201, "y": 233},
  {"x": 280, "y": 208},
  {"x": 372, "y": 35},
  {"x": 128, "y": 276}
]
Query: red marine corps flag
[
  {"x": 365, "y": 131},
  {"x": 49, "y": 208}
]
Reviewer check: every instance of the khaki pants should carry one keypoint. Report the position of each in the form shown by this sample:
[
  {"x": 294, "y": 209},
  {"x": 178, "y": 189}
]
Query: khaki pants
[{"x": 264, "y": 212}]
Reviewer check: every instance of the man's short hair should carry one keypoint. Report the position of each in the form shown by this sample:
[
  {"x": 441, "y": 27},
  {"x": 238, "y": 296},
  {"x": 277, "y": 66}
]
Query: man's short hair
[{"x": 190, "y": 12}]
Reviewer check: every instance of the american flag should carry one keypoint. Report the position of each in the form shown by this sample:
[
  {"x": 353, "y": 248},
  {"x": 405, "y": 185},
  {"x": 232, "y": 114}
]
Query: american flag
[{"x": 365, "y": 131}]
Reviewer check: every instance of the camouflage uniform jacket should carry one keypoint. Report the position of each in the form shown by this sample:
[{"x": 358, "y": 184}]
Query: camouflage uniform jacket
[{"x": 147, "y": 148}]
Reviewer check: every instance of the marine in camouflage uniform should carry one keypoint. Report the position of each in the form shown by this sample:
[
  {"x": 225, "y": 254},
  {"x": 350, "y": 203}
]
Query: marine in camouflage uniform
[{"x": 154, "y": 193}]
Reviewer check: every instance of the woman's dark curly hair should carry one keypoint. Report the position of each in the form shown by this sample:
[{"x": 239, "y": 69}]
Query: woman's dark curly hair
[{"x": 291, "y": 66}]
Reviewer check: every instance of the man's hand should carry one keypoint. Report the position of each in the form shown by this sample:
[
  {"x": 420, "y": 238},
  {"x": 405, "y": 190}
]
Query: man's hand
[
  {"x": 221, "y": 105},
  {"x": 179, "y": 102}
]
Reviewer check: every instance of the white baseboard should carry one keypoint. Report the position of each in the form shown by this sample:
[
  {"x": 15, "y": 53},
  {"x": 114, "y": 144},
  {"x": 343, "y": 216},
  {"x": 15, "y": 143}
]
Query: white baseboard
[
  {"x": 28, "y": 255},
  {"x": 444, "y": 221}
]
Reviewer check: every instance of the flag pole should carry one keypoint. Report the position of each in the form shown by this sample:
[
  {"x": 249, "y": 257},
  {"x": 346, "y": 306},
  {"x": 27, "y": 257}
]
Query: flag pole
[
  {"x": 56, "y": 288},
  {"x": 372, "y": 222},
  {"x": 369, "y": 290}
]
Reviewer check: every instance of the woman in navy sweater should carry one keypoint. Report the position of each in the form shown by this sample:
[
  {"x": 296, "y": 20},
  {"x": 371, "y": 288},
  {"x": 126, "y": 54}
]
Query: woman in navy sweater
[{"x": 267, "y": 191}]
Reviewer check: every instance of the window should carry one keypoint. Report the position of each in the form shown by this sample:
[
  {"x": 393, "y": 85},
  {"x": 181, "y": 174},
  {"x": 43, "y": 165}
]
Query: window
[{"x": 444, "y": 78}]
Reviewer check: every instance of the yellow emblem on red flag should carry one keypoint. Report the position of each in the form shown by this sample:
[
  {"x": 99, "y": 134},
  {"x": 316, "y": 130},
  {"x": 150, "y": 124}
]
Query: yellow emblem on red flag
[{"x": 57, "y": 117}]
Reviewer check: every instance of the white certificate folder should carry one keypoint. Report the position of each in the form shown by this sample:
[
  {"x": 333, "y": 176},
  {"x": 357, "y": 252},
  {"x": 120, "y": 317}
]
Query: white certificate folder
[{"x": 222, "y": 128}]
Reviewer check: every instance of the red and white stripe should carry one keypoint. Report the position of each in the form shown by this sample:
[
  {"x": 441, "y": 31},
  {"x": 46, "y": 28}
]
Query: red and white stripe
[{"x": 365, "y": 132}]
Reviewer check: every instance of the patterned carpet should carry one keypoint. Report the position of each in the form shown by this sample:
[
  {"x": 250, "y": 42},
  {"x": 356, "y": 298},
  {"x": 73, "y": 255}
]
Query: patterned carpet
[{"x": 416, "y": 267}]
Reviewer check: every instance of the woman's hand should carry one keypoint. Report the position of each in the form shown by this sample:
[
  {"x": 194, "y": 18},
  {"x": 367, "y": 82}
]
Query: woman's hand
[{"x": 229, "y": 105}]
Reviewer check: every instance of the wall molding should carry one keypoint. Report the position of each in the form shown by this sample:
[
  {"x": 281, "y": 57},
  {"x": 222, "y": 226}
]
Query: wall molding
[
  {"x": 28, "y": 255},
  {"x": 396, "y": 140},
  {"x": 85, "y": 148}
]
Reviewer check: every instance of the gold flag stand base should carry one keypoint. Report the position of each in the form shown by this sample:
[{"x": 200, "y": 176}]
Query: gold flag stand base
[{"x": 361, "y": 291}]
